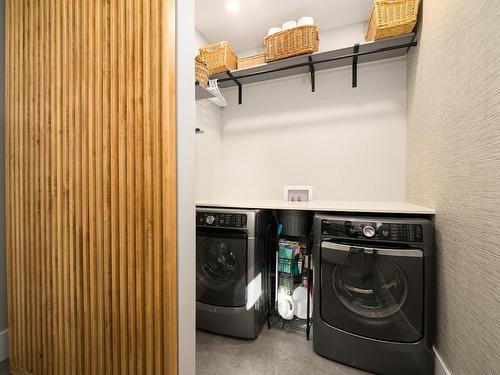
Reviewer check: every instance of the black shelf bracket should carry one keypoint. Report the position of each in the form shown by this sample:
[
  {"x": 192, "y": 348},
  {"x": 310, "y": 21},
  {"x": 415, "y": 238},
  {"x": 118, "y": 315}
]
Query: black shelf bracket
[
  {"x": 313, "y": 74},
  {"x": 314, "y": 63},
  {"x": 240, "y": 87},
  {"x": 413, "y": 43},
  {"x": 299, "y": 65},
  {"x": 355, "y": 66}
]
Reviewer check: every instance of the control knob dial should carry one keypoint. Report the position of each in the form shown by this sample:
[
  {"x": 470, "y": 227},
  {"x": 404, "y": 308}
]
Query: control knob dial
[
  {"x": 210, "y": 219},
  {"x": 369, "y": 231}
]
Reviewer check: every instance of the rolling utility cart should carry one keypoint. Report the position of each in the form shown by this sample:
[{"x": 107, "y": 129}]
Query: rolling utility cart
[{"x": 294, "y": 274}]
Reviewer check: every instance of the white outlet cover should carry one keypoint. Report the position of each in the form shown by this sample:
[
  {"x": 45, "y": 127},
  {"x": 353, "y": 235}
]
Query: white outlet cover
[{"x": 298, "y": 193}]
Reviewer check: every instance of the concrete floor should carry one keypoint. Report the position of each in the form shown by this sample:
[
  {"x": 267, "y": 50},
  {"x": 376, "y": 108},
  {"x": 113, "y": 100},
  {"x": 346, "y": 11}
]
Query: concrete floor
[
  {"x": 274, "y": 352},
  {"x": 4, "y": 367}
]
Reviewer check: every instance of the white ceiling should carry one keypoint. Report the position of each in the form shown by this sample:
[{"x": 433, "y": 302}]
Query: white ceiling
[{"x": 246, "y": 28}]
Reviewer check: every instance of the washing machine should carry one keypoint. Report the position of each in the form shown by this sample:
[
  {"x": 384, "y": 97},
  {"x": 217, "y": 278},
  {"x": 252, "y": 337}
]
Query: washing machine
[
  {"x": 234, "y": 287},
  {"x": 373, "y": 305}
]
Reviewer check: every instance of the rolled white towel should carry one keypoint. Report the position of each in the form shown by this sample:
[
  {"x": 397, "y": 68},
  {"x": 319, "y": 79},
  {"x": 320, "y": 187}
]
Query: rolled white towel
[
  {"x": 289, "y": 25},
  {"x": 305, "y": 21},
  {"x": 273, "y": 30}
]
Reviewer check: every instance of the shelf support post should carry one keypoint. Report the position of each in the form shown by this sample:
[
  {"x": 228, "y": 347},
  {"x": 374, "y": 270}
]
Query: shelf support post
[
  {"x": 355, "y": 66},
  {"x": 240, "y": 87},
  {"x": 313, "y": 74}
]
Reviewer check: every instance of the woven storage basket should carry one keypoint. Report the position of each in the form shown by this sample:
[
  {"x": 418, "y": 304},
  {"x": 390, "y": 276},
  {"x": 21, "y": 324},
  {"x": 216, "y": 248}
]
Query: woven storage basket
[
  {"x": 219, "y": 57},
  {"x": 297, "y": 41},
  {"x": 249, "y": 61},
  {"x": 201, "y": 71},
  {"x": 392, "y": 18}
]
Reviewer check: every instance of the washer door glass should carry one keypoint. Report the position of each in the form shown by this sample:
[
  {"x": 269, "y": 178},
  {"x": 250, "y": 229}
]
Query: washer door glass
[
  {"x": 221, "y": 268},
  {"x": 372, "y": 292},
  {"x": 371, "y": 286},
  {"x": 219, "y": 265}
]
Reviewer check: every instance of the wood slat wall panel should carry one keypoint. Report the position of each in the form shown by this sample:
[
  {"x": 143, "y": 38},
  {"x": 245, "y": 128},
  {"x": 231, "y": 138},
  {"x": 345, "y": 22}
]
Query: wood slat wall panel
[{"x": 91, "y": 191}]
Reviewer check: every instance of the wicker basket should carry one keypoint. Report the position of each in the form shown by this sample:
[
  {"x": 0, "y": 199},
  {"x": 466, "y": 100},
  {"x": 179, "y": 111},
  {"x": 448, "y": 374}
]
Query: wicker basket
[
  {"x": 297, "y": 41},
  {"x": 201, "y": 71},
  {"x": 392, "y": 18},
  {"x": 219, "y": 57},
  {"x": 249, "y": 61}
]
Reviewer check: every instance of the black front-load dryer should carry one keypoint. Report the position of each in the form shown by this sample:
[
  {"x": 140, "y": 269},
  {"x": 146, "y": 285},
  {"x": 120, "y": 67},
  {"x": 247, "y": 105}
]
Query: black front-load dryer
[{"x": 373, "y": 305}]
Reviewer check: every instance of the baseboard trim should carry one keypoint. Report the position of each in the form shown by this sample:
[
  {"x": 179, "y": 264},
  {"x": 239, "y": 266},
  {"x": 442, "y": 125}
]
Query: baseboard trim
[
  {"x": 4, "y": 344},
  {"x": 440, "y": 367}
]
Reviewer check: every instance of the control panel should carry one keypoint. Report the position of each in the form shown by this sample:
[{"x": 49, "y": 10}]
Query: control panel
[
  {"x": 373, "y": 230},
  {"x": 221, "y": 220}
]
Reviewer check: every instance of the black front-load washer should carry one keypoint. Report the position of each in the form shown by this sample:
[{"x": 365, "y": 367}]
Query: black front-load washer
[
  {"x": 373, "y": 305},
  {"x": 234, "y": 251}
]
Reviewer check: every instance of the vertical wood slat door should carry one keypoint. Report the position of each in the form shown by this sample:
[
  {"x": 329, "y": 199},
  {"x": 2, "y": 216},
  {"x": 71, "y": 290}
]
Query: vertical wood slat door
[{"x": 91, "y": 199}]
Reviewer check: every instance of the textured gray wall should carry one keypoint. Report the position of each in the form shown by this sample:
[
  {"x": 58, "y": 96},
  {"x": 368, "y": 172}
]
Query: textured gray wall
[
  {"x": 3, "y": 270},
  {"x": 453, "y": 164}
]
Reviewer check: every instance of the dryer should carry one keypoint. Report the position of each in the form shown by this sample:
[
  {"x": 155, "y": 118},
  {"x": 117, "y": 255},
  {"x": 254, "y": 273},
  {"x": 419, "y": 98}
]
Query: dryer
[
  {"x": 234, "y": 252},
  {"x": 373, "y": 305}
]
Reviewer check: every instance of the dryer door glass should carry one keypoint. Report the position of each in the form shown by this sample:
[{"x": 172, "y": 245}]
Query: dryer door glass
[
  {"x": 373, "y": 292},
  {"x": 221, "y": 268},
  {"x": 373, "y": 287}
]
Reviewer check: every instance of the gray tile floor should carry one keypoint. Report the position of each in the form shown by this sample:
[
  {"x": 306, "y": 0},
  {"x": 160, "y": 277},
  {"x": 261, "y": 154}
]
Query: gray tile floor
[
  {"x": 4, "y": 367},
  {"x": 274, "y": 352}
]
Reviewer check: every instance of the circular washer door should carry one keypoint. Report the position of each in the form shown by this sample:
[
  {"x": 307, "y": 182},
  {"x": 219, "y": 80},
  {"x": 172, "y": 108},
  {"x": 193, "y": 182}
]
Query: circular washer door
[
  {"x": 221, "y": 262},
  {"x": 219, "y": 265}
]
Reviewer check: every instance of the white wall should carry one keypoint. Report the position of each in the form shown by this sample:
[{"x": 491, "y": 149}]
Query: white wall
[
  {"x": 349, "y": 144},
  {"x": 342, "y": 37},
  {"x": 199, "y": 41},
  {"x": 209, "y": 151},
  {"x": 209, "y": 165},
  {"x": 186, "y": 166}
]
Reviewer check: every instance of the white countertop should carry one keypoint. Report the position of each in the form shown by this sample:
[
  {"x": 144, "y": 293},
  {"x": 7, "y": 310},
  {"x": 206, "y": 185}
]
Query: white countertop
[{"x": 331, "y": 206}]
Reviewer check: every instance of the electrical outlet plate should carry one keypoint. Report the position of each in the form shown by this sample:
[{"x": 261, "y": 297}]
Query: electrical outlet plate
[{"x": 298, "y": 193}]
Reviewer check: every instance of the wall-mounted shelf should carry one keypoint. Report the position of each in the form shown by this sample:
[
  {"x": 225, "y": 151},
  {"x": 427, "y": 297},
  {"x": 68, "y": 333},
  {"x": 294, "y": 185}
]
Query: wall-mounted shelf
[
  {"x": 312, "y": 63},
  {"x": 202, "y": 93}
]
